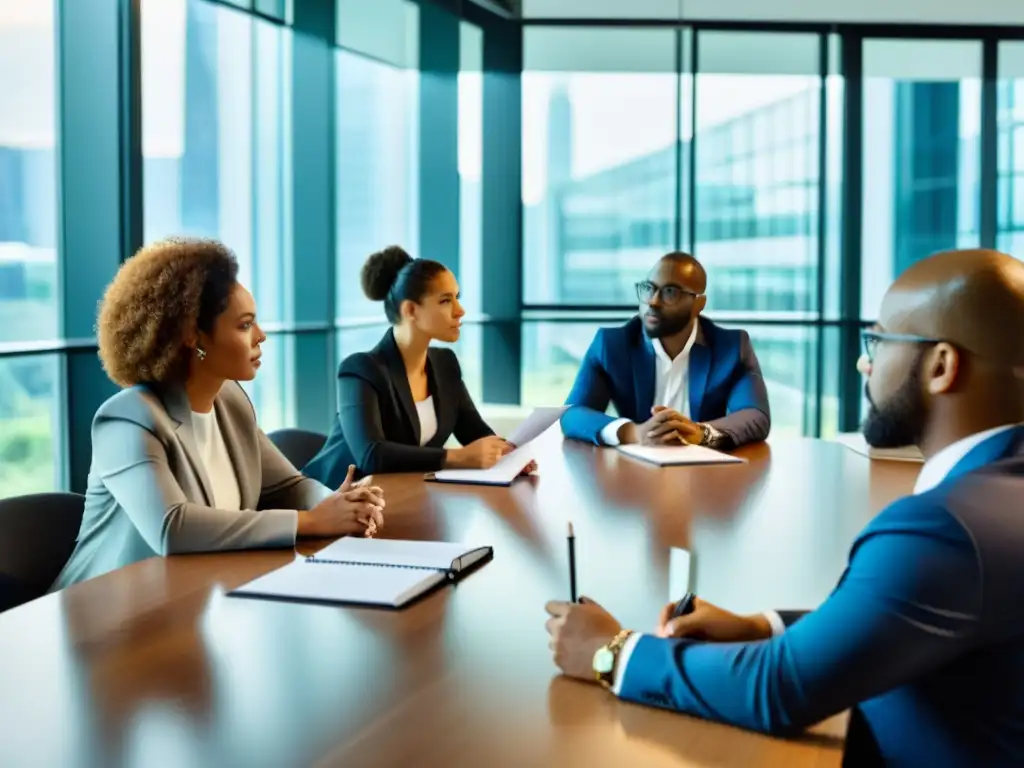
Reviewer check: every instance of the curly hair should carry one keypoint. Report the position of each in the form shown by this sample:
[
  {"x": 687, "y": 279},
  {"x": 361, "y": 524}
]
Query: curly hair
[{"x": 164, "y": 293}]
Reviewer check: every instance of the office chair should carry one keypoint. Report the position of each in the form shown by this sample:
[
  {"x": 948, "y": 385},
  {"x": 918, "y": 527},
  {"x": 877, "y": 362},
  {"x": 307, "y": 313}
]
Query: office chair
[
  {"x": 298, "y": 445},
  {"x": 37, "y": 536}
]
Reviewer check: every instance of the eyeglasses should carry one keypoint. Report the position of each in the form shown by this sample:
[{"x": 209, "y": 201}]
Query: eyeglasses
[
  {"x": 873, "y": 338},
  {"x": 670, "y": 294}
]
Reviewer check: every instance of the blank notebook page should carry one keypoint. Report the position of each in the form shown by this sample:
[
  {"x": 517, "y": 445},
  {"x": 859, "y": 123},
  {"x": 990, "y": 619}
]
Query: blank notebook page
[{"x": 333, "y": 582}]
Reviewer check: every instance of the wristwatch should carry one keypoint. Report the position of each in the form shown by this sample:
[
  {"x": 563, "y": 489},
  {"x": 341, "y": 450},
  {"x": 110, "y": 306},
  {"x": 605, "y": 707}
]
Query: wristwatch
[
  {"x": 710, "y": 436},
  {"x": 607, "y": 656}
]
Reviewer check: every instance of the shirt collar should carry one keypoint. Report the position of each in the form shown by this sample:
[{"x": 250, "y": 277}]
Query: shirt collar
[
  {"x": 938, "y": 466},
  {"x": 660, "y": 352}
]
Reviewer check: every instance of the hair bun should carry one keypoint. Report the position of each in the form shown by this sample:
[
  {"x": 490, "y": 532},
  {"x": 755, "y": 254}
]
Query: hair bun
[{"x": 381, "y": 270}]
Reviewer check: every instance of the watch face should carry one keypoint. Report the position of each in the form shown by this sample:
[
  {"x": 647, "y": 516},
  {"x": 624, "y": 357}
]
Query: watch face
[{"x": 604, "y": 660}]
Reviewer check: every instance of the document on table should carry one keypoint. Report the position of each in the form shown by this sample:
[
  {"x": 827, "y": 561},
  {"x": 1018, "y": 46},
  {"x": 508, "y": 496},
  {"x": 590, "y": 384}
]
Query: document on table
[
  {"x": 503, "y": 473},
  {"x": 855, "y": 442},
  {"x": 512, "y": 464},
  {"x": 679, "y": 455}
]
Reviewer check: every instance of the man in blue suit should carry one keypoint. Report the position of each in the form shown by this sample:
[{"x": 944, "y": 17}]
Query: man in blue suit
[
  {"x": 924, "y": 634},
  {"x": 672, "y": 375}
]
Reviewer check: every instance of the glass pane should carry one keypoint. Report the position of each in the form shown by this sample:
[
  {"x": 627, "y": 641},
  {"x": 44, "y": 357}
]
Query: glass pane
[
  {"x": 1010, "y": 109},
  {"x": 471, "y": 159},
  {"x": 553, "y": 350},
  {"x": 922, "y": 127},
  {"x": 757, "y": 134},
  {"x": 270, "y": 391},
  {"x": 271, "y": 172},
  {"x": 377, "y": 179},
  {"x": 600, "y": 150},
  {"x": 29, "y": 418},
  {"x": 28, "y": 175},
  {"x": 197, "y": 124}
]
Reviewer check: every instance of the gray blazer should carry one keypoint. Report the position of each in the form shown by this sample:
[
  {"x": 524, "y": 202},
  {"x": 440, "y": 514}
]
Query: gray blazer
[{"x": 148, "y": 492}]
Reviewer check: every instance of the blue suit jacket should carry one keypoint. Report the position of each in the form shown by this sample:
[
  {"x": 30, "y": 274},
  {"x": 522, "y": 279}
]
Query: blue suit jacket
[
  {"x": 726, "y": 386},
  {"x": 924, "y": 634}
]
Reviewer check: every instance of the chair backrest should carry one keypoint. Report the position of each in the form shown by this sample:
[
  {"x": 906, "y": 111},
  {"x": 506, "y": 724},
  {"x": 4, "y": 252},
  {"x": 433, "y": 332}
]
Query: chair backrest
[
  {"x": 37, "y": 536},
  {"x": 298, "y": 445}
]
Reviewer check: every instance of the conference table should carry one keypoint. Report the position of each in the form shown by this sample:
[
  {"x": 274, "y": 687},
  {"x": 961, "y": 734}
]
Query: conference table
[{"x": 155, "y": 665}]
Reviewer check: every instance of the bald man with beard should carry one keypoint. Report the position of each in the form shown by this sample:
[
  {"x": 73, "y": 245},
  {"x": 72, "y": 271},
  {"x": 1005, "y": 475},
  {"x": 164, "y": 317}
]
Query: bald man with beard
[{"x": 924, "y": 634}]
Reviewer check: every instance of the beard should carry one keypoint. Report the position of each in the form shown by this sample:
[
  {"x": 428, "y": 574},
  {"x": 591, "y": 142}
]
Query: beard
[
  {"x": 899, "y": 421},
  {"x": 667, "y": 325}
]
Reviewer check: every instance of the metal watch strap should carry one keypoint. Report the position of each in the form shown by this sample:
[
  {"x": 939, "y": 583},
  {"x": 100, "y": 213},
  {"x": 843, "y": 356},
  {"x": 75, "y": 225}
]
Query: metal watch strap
[
  {"x": 707, "y": 437},
  {"x": 615, "y": 646}
]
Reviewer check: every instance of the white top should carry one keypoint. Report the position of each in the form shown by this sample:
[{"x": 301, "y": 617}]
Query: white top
[
  {"x": 671, "y": 384},
  {"x": 428, "y": 419},
  {"x": 933, "y": 472},
  {"x": 214, "y": 454}
]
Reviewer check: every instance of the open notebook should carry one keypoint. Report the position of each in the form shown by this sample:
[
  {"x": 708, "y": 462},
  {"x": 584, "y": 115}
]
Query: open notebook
[
  {"x": 361, "y": 571},
  {"x": 678, "y": 455}
]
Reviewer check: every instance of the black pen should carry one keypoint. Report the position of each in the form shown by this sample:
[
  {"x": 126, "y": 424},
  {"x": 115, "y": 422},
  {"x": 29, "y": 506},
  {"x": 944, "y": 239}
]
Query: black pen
[
  {"x": 684, "y": 606},
  {"x": 572, "y": 564}
]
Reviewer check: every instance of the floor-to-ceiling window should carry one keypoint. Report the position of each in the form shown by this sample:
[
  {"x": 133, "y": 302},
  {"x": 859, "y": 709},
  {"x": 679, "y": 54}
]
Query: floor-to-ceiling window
[
  {"x": 1010, "y": 161},
  {"x": 637, "y": 142},
  {"x": 377, "y": 88},
  {"x": 921, "y": 155},
  {"x": 214, "y": 143},
  {"x": 758, "y": 134},
  {"x": 29, "y": 288},
  {"x": 600, "y": 133}
]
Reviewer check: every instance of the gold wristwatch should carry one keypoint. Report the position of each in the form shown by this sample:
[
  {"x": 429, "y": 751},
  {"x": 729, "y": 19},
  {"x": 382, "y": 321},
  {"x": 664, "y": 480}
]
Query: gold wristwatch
[{"x": 607, "y": 656}]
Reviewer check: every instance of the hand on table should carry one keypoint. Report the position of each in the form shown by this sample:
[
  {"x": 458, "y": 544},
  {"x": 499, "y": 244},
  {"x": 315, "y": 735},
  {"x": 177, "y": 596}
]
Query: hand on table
[{"x": 577, "y": 630}]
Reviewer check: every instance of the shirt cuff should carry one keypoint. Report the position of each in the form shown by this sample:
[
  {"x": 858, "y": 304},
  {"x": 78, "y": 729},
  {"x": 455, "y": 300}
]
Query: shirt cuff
[
  {"x": 777, "y": 624},
  {"x": 610, "y": 434},
  {"x": 623, "y": 661}
]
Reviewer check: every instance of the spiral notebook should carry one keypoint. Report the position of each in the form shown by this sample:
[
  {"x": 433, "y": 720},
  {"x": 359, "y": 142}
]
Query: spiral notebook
[{"x": 375, "y": 572}]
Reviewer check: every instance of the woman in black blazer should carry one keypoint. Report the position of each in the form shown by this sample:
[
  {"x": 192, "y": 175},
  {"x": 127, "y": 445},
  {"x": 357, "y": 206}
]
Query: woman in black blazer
[{"x": 400, "y": 402}]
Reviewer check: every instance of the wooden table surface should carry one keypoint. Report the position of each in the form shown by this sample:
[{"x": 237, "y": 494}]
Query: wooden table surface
[{"x": 153, "y": 665}]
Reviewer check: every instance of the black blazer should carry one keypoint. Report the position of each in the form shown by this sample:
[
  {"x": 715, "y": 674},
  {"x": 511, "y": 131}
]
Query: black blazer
[{"x": 377, "y": 427}]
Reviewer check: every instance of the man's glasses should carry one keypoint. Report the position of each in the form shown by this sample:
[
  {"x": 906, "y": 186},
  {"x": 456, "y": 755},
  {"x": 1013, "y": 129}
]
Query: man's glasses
[
  {"x": 670, "y": 294},
  {"x": 873, "y": 338}
]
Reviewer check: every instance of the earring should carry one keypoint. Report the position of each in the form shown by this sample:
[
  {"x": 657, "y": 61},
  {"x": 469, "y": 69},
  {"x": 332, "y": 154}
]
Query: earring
[{"x": 200, "y": 353}]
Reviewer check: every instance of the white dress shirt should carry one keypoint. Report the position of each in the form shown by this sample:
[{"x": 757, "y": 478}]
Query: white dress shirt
[
  {"x": 214, "y": 454},
  {"x": 671, "y": 385},
  {"x": 428, "y": 419},
  {"x": 932, "y": 473}
]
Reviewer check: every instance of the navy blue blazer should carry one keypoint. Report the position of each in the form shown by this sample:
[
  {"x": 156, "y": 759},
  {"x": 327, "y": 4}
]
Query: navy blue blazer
[
  {"x": 924, "y": 634},
  {"x": 377, "y": 427},
  {"x": 727, "y": 390}
]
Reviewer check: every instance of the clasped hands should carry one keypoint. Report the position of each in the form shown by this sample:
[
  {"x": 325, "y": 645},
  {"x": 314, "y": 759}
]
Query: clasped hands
[
  {"x": 577, "y": 630},
  {"x": 357, "y": 507},
  {"x": 665, "y": 427}
]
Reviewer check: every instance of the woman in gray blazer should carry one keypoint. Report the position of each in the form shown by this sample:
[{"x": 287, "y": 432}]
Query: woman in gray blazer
[{"x": 178, "y": 462}]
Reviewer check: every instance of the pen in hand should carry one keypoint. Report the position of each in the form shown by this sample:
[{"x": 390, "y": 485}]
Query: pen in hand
[
  {"x": 684, "y": 606},
  {"x": 572, "y": 564}
]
